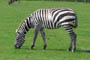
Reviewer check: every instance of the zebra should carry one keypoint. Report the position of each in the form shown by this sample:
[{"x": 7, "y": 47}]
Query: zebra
[
  {"x": 51, "y": 18},
  {"x": 12, "y": 1}
]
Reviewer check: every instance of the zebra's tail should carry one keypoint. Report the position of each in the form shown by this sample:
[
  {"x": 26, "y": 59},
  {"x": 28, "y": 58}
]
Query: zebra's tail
[{"x": 75, "y": 23}]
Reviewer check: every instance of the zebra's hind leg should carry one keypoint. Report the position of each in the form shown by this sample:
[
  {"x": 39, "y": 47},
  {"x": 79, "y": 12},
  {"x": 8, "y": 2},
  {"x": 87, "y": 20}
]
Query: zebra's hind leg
[
  {"x": 44, "y": 38},
  {"x": 72, "y": 46},
  {"x": 73, "y": 38}
]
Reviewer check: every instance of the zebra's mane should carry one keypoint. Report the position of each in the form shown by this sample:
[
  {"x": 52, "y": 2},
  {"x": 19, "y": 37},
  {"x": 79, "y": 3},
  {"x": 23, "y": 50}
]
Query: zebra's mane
[
  {"x": 24, "y": 26},
  {"x": 17, "y": 30}
]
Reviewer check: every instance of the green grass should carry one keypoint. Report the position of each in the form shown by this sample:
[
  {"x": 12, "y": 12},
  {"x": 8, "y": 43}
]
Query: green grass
[{"x": 57, "y": 40}]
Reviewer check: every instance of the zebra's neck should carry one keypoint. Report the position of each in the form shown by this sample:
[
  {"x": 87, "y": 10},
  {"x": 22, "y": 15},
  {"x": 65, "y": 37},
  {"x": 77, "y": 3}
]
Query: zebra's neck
[{"x": 25, "y": 26}]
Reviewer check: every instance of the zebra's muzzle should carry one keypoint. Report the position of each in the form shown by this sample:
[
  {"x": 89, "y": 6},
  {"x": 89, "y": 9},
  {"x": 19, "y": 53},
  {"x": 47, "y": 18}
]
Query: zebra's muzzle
[{"x": 17, "y": 46}]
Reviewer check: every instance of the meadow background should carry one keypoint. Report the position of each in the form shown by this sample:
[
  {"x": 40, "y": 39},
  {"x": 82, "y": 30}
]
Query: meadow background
[{"x": 57, "y": 40}]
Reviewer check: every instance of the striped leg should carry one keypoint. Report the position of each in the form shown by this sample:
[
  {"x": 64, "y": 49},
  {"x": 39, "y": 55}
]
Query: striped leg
[
  {"x": 69, "y": 29},
  {"x": 44, "y": 38},
  {"x": 73, "y": 37},
  {"x": 35, "y": 36}
]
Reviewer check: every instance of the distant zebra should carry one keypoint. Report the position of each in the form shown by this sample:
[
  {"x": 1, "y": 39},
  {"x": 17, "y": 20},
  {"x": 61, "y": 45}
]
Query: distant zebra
[
  {"x": 12, "y": 1},
  {"x": 48, "y": 18}
]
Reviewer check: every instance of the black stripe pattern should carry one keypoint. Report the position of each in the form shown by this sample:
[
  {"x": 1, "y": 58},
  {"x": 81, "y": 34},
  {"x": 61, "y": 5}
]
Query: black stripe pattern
[{"x": 50, "y": 18}]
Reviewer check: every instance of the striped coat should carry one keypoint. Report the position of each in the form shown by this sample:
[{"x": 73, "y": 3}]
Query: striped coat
[{"x": 51, "y": 18}]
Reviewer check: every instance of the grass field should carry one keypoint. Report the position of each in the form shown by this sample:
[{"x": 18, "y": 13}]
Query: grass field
[{"x": 57, "y": 40}]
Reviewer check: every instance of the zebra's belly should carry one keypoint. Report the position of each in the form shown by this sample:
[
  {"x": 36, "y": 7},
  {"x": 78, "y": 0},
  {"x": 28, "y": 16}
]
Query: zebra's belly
[
  {"x": 53, "y": 28},
  {"x": 50, "y": 25}
]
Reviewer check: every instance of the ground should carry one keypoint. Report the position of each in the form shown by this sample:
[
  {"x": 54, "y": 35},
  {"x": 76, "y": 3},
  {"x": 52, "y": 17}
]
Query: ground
[{"x": 57, "y": 40}]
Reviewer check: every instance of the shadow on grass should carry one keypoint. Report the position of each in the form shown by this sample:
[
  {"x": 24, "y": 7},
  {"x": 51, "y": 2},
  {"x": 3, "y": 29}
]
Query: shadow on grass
[
  {"x": 57, "y": 49},
  {"x": 46, "y": 49},
  {"x": 84, "y": 51}
]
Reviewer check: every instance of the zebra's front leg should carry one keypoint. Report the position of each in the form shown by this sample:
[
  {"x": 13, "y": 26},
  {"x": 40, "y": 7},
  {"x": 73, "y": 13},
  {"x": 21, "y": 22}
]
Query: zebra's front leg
[
  {"x": 44, "y": 38},
  {"x": 35, "y": 36},
  {"x": 11, "y": 1},
  {"x": 72, "y": 46}
]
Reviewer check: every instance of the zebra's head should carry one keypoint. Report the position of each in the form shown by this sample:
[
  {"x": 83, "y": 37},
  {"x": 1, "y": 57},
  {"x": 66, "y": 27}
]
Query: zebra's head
[{"x": 20, "y": 38}]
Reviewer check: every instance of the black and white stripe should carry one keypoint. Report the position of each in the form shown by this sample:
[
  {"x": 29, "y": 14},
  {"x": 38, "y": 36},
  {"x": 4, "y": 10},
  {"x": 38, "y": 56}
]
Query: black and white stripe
[{"x": 51, "y": 19}]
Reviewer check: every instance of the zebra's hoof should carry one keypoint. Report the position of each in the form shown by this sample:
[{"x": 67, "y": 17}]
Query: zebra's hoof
[
  {"x": 73, "y": 50},
  {"x": 32, "y": 47},
  {"x": 44, "y": 47},
  {"x": 69, "y": 49}
]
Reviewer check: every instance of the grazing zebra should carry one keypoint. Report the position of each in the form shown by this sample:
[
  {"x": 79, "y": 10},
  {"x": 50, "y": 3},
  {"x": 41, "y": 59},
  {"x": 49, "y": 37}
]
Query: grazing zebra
[
  {"x": 12, "y": 1},
  {"x": 48, "y": 18}
]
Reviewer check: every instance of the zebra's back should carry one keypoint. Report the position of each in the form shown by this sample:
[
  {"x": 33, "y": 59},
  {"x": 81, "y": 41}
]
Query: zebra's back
[{"x": 54, "y": 17}]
